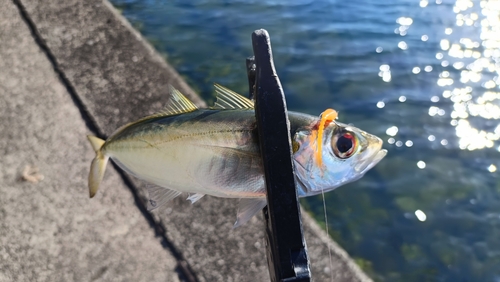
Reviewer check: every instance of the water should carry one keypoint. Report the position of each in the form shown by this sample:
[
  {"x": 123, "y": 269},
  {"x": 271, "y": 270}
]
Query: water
[{"x": 424, "y": 76}]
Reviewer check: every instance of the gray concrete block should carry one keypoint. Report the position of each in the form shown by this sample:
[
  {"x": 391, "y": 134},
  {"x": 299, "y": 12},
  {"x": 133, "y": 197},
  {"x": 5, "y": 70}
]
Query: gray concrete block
[
  {"x": 49, "y": 229},
  {"x": 118, "y": 77}
]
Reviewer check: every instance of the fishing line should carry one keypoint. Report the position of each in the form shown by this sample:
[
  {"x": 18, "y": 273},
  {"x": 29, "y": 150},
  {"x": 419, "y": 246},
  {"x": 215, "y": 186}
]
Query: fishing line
[
  {"x": 327, "y": 235},
  {"x": 326, "y": 118}
]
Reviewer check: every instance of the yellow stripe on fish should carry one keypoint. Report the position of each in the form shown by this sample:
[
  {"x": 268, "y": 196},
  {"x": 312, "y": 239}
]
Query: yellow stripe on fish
[{"x": 327, "y": 117}]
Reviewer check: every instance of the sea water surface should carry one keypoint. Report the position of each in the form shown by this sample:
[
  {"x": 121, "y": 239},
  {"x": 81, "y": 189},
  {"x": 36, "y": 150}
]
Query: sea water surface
[{"x": 422, "y": 75}]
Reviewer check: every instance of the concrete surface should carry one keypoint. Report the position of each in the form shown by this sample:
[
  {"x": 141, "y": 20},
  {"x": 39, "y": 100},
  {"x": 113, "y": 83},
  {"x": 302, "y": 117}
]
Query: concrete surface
[
  {"x": 82, "y": 68},
  {"x": 49, "y": 230}
]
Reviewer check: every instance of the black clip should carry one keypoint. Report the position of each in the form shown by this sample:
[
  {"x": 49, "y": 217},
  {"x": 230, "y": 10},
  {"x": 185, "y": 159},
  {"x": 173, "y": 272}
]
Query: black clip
[{"x": 286, "y": 248}]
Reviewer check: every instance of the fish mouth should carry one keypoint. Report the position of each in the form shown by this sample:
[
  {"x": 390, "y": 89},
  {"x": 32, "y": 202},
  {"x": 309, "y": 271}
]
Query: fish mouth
[
  {"x": 371, "y": 161},
  {"x": 374, "y": 153}
]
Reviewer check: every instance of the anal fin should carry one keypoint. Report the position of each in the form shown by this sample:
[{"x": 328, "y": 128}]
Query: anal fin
[
  {"x": 247, "y": 208},
  {"x": 195, "y": 197},
  {"x": 159, "y": 196}
]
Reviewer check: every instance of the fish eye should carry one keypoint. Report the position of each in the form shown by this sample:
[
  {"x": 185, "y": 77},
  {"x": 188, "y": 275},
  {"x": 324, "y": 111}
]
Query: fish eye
[{"x": 344, "y": 144}]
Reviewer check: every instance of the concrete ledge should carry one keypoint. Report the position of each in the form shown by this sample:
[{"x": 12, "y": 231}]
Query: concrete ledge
[
  {"x": 49, "y": 230},
  {"x": 114, "y": 77}
]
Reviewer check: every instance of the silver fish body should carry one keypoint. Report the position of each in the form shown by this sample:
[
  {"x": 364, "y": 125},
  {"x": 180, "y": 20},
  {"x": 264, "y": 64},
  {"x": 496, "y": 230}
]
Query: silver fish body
[{"x": 216, "y": 152}]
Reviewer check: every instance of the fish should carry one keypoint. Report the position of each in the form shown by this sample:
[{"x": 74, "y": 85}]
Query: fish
[{"x": 215, "y": 151}]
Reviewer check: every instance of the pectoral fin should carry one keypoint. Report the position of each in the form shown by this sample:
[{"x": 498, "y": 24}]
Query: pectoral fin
[{"x": 247, "y": 209}]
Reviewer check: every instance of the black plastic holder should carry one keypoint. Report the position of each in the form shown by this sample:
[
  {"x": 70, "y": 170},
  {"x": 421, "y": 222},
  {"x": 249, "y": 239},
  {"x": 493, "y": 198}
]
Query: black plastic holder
[{"x": 286, "y": 248}]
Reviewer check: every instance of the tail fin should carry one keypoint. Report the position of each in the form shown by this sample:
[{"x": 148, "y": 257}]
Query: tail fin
[{"x": 98, "y": 165}]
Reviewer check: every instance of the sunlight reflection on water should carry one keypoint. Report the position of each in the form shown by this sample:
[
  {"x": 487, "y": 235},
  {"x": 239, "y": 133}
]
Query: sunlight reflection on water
[
  {"x": 470, "y": 74},
  {"x": 478, "y": 58}
]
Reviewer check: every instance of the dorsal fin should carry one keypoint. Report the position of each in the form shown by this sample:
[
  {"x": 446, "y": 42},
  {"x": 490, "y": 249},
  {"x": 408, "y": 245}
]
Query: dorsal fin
[
  {"x": 228, "y": 99},
  {"x": 178, "y": 103}
]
